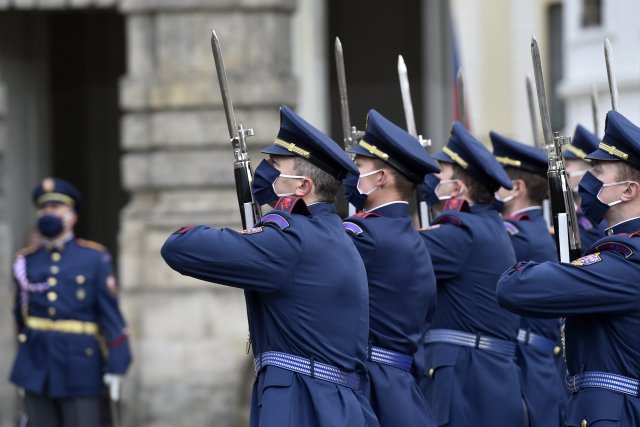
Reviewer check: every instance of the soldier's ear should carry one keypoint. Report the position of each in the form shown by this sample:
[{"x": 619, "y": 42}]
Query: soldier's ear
[
  {"x": 632, "y": 192},
  {"x": 519, "y": 187},
  {"x": 304, "y": 187}
]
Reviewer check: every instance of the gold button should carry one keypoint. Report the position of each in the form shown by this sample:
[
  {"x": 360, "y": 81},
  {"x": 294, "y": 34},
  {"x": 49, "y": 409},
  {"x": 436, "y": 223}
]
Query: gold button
[
  {"x": 80, "y": 279},
  {"x": 55, "y": 257},
  {"x": 52, "y": 281},
  {"x": 52, "y": 311},
  {"x": 81, "y": 294},
  {"x": 22, "y": 338},
  {"x": 54, "y": 269},
  {"x": 88, "y": 352},
  {"x": 557, "y": 350},
  {"x": 584, "y": 423},
  {"x": 52, "y": 296},
  {"x": 431, "y": 372}
]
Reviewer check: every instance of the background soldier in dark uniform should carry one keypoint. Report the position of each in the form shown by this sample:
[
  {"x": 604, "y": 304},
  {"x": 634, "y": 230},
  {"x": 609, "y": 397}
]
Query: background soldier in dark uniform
[
  {"x": 582, "y": 143},
  {"x": 402, "y": 286},
  {"x": 66, "y": 307},
  {"x": 539, "y": 352},
  {"x": 598, "y": 293},
  {"x": 472, "y": 378},
  {"x": 307, "y": 296}
]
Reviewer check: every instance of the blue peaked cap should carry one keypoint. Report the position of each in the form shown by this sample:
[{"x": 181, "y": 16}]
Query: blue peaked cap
[
  {"x": 582, "y": 143},
  {"x": 511, "y": 153},
  {"x": 621, "y": 141},
  {"x": 385, "y": 141},
  {"x": 464, "y": 150},
  {"x": 299, "y": 138},
  {"x": 56, "y": 190}
]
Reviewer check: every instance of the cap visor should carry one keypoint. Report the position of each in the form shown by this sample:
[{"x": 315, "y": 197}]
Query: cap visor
[
  {"x": 360, "y": 151},
  {"x": 602, "y": 155},
  {"x": 441, "y": 156},
  {"x": 278, "y": 151}
]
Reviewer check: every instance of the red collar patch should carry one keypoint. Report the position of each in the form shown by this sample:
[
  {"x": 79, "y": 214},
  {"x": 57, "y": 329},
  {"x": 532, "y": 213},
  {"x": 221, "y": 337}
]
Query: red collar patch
[
  {"x": 293, "y": 204},
  {"x": 457, "y": 205}
]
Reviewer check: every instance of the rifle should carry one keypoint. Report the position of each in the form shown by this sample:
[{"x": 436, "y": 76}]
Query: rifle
[
  {"x": 249, "y": 209},
  {"x": 562, "y": 206},
  {"x": 425, "y": 216},
  {"x": 611, "y": 75},
  {"x": 537, "y": 141},
  {"x": 351, "y": 135}
]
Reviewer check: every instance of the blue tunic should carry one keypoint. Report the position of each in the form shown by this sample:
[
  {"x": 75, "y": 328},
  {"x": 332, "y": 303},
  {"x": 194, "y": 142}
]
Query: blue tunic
[
  {"x": 542, "y": 368},
  {"x": 306, "y": 296},
  {"x": 600, "y": 296},
  {"x": 589, "y": 232},
  {"x": 66, "y": 298},
  {"x": 402, "y": 290},
  {"x": 468, "y": 386}
]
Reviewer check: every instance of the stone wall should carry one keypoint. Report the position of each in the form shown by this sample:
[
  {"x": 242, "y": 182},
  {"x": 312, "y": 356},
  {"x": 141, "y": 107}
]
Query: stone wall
[{"x": 189, "y": 337}]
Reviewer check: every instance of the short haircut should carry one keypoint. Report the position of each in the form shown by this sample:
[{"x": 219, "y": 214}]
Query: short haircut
[
  {"x": 478, "y": 193},
  {"x": 403, "y": 186},
  {"x": 326, "y": 186},
  {"x": 627, "y": 172},
  {"x": 537, "y": 185}
]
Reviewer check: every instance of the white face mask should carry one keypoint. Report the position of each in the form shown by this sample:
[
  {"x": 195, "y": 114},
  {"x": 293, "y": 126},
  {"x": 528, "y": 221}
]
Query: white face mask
[
  {"x": 364, "y": 175},
  {"x": 612, "y": 184},
  {"x": 285, "y": 176},
  {"x": 444, "y": 182},
  {"x": 507, "y": 198}
]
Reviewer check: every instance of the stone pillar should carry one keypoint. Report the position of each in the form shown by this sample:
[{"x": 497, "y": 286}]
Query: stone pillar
[{"x": 189, "y": 336}]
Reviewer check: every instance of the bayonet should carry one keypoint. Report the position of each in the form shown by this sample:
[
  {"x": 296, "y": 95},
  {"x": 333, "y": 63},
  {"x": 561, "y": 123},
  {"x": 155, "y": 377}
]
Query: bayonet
[
  {"x": 562, "y": 205},
  {"x": 249, "y": 209},
  {"x": 350, "y": 133},
  {"x": 611, "y": 75},
  {"x": 537, "y": 141},
  {"x": 424, "y": 216},
  {"x": 594, "y": 110},
  {"x": 460, "y": 90}
]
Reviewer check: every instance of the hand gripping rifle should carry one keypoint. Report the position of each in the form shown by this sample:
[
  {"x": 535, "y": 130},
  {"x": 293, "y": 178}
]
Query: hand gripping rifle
[
  {"x": 562, "y": 206},
  {"x": 350, "y": 133},
  {"x": 424, "y": 216},
  {"x": 249, "y": 209}
]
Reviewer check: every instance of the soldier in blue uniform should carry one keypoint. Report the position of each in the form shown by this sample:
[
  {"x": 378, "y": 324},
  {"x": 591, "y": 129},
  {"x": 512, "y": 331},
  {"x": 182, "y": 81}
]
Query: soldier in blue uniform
[
  {"x": 402, "y": 286},
  {"x": 577, "y": 164},
  {"x": 539, "y": 352},
  {"x": 71, "y": 334},
  {"x": 471, "y": 377},
  {"x": 599, "y": 293},
  {"x": 305, "y": 283}
]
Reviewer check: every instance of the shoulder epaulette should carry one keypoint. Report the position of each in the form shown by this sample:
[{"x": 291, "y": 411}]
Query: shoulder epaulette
[
  {"x": 292, "y": 205},
  {"x": 28, "y": 250},
  {"x": 456, "y": 205},
  {"x": 91, "y": 245},
  {"x": 511, "y": 228},
  {"x": 352, "y": 227},
  {"x": 275, "y": 219},
  {"x": 585, "y": 223},
  {"x": 366, "y": 214},
  {"x": 520, "y": 217},
  {"x": 613, "y": 246},
  {"x": 448, "y": 219}
]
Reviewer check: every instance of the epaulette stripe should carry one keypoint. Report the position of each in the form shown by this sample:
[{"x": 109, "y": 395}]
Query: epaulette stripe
[
  {"x": 91, "y": 245},
  {"x": 366, "y": 214},
  {"x": 352, "y": 227},
  {"x": 511, "y": 228},
  {"x": 446, "y": 219},
  {"x": 615, "y": 247},
  {"x": 28, "y": 250},
  {"x": 276, "y": 219},
  {"x": 585, "y": 223}
]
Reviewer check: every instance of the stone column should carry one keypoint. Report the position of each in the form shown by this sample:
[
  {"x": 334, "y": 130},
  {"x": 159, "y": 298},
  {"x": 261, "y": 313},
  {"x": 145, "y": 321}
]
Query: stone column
[{"x": 189, "y": 336}]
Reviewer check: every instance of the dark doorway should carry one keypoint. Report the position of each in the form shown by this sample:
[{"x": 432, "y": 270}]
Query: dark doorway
[
  {"x": 61, "y": 70},
  {"x": 87, "y": 58},
  {"x": 373, "y": 34}
]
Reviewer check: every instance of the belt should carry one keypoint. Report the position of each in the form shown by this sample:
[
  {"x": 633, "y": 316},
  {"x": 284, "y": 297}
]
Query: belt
[
  {"x": 466, "y": 339},
  {"x": 64, "y": 326},
  {"x": 307, "y": 367},
  {"x": 537, "y": 341},
  {"x": 605, "y": 380},
  {"x": 390, "y": 357}
]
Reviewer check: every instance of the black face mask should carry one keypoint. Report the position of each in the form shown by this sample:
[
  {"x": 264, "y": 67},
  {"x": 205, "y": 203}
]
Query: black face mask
[
  {"x": 351, "y": 193},
  {"x": 50, "y": 225},
  {"x": 262, "y": 186}
]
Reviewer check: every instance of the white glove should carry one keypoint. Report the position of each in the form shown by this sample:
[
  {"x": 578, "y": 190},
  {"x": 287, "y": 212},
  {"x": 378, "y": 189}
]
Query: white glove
[{"x": 113, "y": 382}]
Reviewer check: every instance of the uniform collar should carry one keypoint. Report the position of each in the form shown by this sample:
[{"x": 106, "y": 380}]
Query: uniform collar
[
  {"x": 531, "y": 211},
  {"x": 59, "y": 244},
  {"x": 625, "y": 227},
  {"x": 481, "y": 208},
  {"x": 322, "y": 208},
  {"x": 392, "y": 209}
]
